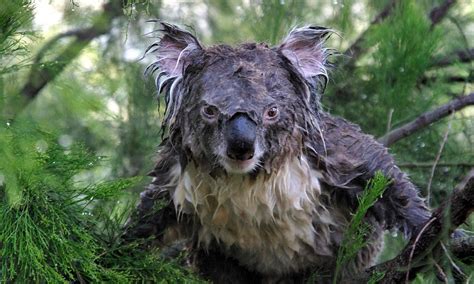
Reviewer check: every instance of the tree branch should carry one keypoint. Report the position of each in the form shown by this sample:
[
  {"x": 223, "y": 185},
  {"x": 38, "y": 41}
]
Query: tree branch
[
  {"x": 356, "y": 49},
  {"x": 442, "y": 223},
  {"x": 438, "y": 13},
  {"x": 430, "y": 164},
  {"x": 425, "y": 119},
  {"x": 462, "y": 56},
  {"x": 41, "y": 74},
  {"x": 449, "y": 79}
]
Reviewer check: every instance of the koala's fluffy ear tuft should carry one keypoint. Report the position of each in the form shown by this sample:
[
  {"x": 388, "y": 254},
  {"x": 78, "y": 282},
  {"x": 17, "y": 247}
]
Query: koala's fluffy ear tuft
[
  {"x": 173, "y": 50},
  {"x": 304, "y": 47}
]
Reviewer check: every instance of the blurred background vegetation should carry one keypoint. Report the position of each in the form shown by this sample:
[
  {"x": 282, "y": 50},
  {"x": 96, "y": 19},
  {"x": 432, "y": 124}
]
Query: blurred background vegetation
[{"x": 79, "y": 123}]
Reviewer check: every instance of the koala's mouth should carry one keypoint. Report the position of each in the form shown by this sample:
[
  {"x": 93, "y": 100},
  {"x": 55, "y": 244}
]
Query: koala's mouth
[{"x": 239, "y": 166}]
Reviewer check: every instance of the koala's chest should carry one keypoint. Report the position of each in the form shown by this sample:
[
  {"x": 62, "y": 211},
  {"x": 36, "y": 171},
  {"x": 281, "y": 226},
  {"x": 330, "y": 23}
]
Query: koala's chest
[{"x": 270, "y": 223}]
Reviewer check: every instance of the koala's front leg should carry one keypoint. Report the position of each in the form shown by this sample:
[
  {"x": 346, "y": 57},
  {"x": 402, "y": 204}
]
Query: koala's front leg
[{"x": 353, "y": 158}]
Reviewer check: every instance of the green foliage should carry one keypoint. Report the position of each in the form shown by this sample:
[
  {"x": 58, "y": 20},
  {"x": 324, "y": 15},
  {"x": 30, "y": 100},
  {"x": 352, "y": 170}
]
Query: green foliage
[
  {"x": 138, "y": 132},
  {"x": 376, "y": 277},
  {"x": 43, "y": 229},
  {"x": 130, "y": 7},
  {"x": 131, "y": 264},
  {"x": 54, "y": 230},
  {"x": 355, "y": 235},
  {"x": 389, "y": 73},
  {"x": 101, "y": 100},
  {"x": 401, "y": 57},
  {"x": 14, "y": 16},
  {"x": 394, "y": 81},
  {"x": 277, "y": 16}
]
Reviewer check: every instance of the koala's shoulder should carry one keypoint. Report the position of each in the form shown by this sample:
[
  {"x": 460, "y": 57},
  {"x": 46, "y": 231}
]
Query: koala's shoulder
[{"x": 351, "y": 153}]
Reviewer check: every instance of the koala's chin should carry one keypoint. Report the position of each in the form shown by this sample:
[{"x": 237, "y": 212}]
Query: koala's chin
[{"x": 239, "y": 167}]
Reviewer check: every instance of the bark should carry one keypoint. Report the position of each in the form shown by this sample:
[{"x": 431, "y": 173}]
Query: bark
[{"x": 426, "y": 118}]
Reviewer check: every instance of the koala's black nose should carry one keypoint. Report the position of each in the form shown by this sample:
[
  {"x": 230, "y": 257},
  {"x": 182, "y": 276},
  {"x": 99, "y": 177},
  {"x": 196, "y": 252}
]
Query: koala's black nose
[{"x": 240, "y": 135}]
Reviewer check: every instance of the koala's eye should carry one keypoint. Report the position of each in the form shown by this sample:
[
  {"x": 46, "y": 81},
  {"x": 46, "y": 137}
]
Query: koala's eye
[
  {"x": 209, "y": 112},
  {"x": 271, "y": 113}
]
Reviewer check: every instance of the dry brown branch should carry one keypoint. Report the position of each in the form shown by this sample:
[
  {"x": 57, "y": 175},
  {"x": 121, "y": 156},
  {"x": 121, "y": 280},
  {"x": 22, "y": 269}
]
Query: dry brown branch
[
  {"x": 426, "y": 118},
  {"x": 443, "y": 222},
  {"x": 413, "y": 247},
  {"x": 440, "y": 164}
]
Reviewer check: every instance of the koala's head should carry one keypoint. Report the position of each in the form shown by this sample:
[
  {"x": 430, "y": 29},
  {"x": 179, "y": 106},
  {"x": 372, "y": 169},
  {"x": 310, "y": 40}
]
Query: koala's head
[{"x": 240, "y": 108}]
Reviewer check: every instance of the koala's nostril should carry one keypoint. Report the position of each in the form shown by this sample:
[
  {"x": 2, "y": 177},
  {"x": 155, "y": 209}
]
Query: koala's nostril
[
  {"x": 240, "y": 154},
  {"x": 240, "y": 149}
]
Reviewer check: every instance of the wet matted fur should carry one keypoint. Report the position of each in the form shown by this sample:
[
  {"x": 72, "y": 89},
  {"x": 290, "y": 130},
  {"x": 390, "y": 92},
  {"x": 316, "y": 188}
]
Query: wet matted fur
[{"x": 281, "y": 207}]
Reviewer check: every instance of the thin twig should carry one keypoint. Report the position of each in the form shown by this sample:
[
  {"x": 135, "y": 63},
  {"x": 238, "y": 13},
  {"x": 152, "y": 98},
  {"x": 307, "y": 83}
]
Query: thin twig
[
  {"x": 418, "y": 236},
  {"x": 440, "y": 271},
  {"x": 438, "y": 156},
  {"x": 451, "y": 260},
  {"x": 389, "y": 122}
]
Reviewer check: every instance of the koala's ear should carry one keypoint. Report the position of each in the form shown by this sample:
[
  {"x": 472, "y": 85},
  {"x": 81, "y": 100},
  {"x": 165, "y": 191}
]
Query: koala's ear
[
  {"x": 173, "y": 50},
  {"x": 304, "y": 47}
]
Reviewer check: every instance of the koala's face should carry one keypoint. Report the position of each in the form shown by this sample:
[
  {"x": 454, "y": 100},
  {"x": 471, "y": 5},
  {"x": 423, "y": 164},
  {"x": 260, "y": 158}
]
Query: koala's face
[{"x": 240, "y": 108}]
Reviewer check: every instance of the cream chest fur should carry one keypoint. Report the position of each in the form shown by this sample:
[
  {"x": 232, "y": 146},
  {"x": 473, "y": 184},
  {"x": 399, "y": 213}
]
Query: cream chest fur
[{"x": 270, "y": 223}]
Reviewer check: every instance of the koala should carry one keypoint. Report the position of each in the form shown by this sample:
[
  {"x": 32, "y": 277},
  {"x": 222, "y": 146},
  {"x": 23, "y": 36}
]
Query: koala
[{"x": 253, "y": 172}]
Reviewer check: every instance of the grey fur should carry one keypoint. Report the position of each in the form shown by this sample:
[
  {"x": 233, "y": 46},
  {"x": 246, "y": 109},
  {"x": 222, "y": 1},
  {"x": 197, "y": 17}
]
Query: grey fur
[{"x": 248, "y": 79}]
